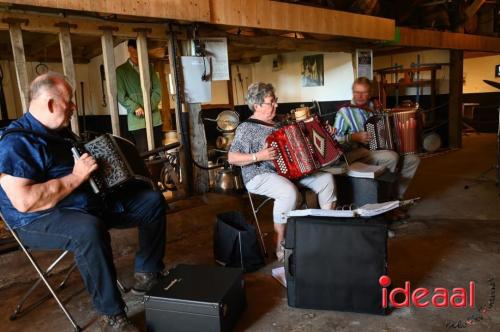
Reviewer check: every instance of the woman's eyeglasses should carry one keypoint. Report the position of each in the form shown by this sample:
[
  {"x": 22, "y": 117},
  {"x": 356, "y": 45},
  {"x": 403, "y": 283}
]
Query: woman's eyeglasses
[{"x": 272, "y": 103}]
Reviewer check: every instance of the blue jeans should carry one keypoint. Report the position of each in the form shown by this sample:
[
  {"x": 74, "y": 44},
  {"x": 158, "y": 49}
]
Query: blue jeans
[{"x": 86, "y": 235}]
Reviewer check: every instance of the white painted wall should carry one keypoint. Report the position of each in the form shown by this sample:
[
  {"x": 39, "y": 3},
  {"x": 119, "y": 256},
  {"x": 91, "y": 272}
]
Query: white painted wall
[
  {"x": 338, "y": 76},
  {"x": 478, "y": 69}
]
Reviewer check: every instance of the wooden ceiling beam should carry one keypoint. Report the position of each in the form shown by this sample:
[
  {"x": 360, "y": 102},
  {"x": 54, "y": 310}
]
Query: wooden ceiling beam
[
  {"x": 284, "y": 44},
  {"x": 193, "y": 10},
  {"x": 272, "y": 15},
  {"x": 41, "y": 44},
  {"x": 473, "y": 8},
  {"x": 47, "y": 59},
  {"x": 45, "y": 23},
  {"x": 446, "y": 40},
  {"x": 94, "y": 49}
]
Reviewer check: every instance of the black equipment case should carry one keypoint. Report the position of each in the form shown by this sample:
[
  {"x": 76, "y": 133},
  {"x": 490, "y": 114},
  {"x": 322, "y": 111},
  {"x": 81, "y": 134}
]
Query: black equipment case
[
  {"x": 196, "y": 298},
  {"x": 336, "y": 263},
  {"x": 361, "y": 191}
]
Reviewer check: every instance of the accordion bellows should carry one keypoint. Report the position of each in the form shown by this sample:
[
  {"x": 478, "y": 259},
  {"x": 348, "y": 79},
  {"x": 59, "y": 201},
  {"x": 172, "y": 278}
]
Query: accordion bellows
[
  {"x": 118, "y": 160},
  {"x": 395, "y": 129},
  {"x": 303, "y": 148},
  {"x": 325, "y": 149},
  {"x": 294, "y": 158}
]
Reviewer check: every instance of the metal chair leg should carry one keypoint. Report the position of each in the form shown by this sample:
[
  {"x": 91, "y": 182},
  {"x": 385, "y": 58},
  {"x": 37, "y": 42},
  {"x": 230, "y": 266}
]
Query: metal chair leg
[
  {"x": 47, "y": 272},
  {"x": 255, "y": 211},
  {"x": 122, "y": 288},
  {"x": 42, "y": 275}
]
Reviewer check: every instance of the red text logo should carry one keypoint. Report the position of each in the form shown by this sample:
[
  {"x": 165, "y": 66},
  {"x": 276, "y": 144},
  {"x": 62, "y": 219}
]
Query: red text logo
[{"x": 422, "y": 297}]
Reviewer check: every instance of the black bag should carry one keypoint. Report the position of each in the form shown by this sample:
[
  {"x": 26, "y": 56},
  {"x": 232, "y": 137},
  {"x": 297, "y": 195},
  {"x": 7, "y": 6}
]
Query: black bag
[
  {"x": 235, "y": 242},
  {"x": 336, "y": 263}
]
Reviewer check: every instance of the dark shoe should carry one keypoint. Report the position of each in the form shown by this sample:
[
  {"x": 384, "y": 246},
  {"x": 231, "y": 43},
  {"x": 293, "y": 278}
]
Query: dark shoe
[
  {"x": 118, "y": 323},
  {"x": 144, "y": 281}
]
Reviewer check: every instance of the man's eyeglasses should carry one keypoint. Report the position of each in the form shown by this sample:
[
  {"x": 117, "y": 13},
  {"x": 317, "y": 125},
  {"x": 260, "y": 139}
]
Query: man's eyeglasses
[{"x": 272, "y": 103}]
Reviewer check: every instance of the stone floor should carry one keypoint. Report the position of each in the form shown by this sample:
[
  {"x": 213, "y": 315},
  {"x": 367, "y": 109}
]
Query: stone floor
[{"x": 452, "y": 237}]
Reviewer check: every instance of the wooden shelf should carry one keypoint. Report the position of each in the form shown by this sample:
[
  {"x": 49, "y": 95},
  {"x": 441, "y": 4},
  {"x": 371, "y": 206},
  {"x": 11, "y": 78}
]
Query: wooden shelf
[
  {"x": 408, "y": 84},
  {"x": 407, "y": 70}
]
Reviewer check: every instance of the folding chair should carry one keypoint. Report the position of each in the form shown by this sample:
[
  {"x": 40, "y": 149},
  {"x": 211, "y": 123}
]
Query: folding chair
[
  {"x": 255, "y": 210},
  {"x": 310, "y": 201},
  {"x": 43, "y": 275}
]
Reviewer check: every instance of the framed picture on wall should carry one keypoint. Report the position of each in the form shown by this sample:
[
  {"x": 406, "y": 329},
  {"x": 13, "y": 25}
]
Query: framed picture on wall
[
  {"x": 497, "y": 71},
  {"x": 364, "y": 63},
  {"x": 312, "y": 71}
]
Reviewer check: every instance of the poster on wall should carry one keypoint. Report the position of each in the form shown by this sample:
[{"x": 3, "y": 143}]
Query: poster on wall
[
  {"x": 217, "y": 49},
  {"x": 364, "y": 63},
  {"x": 312, "y": 71}
]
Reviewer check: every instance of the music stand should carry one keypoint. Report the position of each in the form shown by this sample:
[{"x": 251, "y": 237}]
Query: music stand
[{"x": 497, "y": 166}]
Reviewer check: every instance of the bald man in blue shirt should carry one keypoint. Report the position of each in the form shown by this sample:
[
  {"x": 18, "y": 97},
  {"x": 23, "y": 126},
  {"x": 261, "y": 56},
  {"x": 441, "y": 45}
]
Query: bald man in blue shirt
[{"x": 46, "y": 199}]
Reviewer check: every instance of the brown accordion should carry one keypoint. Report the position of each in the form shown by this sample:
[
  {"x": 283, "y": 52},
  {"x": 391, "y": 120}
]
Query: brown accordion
[
  {"x": 118, "y": 160},
  {"x": 302, "y": 148},
  {"x": 396, "y": 130}
]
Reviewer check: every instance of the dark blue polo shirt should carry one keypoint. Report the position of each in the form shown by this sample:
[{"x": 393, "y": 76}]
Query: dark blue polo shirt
[{"x": 39, "y": 159}]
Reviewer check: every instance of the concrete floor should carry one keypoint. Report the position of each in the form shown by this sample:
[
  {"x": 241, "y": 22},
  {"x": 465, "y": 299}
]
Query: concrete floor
[{"x": 452, "y": 237}]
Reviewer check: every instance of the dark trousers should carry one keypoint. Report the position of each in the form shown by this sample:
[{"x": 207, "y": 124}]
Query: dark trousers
[
  {"x": 87, "y": 236},
  {"x": 141, "y": 140}
]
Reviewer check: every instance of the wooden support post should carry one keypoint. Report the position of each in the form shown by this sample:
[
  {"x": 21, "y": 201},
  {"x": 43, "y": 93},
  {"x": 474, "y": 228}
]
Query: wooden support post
[
  {"x": 68, "y": 66},
  {"x": 142, "y": 51},
  {"x": 108, "y": 57},
  {"x": 197, "y": 137},
  {"x": 198, "y": 148},
  {"x": 456, "y": 87},
  {"x": 165, "y": 98},
  {"x": 230, "y": 95},
  {"x": 16, "y": 40},
  {"x": 175, "y": 71}
]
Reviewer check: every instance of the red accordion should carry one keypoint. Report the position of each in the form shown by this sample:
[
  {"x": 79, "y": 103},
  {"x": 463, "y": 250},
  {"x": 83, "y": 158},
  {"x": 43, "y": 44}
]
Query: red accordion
[{"x": 303, "y": 148}]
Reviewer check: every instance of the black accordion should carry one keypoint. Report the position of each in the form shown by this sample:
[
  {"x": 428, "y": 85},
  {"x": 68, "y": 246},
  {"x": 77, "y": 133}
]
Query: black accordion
[{"x": 118, "y": 160}]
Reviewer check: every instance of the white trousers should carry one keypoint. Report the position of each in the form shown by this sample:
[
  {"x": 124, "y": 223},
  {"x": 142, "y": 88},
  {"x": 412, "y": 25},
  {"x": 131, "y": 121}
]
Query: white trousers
[
  {"x": 286, "y": 195},
  {"x": 390, "y": 159}
]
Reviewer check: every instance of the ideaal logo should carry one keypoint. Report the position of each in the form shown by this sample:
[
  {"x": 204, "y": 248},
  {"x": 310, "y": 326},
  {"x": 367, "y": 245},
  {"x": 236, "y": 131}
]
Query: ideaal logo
[
  {"x": 440, "y": 297},
  {"x": 421, "y": 297}
]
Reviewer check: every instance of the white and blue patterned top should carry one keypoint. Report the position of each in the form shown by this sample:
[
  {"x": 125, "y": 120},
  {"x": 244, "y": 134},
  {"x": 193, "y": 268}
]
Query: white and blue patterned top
[{"x": 251, "y": 137}]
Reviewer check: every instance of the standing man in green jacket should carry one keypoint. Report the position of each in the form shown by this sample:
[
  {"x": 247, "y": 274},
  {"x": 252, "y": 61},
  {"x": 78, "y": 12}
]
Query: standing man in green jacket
[{"x": 130, "y": 97}]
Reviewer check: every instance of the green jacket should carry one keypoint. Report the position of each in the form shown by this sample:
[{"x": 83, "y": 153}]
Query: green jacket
[{"x": 130, "y": 95}]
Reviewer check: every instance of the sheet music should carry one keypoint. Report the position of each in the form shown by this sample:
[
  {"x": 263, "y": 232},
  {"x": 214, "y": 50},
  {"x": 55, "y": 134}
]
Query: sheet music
[
  {"x": 279, "y": 274},
  {"x": 367, "y": 210}
]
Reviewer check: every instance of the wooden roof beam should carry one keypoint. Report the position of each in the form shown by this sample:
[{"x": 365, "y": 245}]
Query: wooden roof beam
[
  {"x": 285, "y": 44},
  {"x": 45, "y": 23},
  {"x": 42, "y": 44},
  {"x": 193, "y": 10},
  {"x": 55, "y": 58},
  {"x": 473, "y": 8},
  {"x": 447, "y": 40},
  {"x": 268, "y": 14}
]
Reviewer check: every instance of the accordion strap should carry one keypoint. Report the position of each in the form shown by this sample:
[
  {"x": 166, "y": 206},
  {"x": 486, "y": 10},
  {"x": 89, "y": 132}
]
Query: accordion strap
[{"x": 267, "y": 124}]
